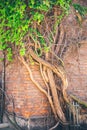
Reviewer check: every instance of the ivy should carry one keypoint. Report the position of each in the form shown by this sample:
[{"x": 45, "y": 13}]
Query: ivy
[
  {"x": 38, "y": 17},
  {"x": 36, "y": 36},
  {"x": 16, "y": 22},
  {"x": 13, "y": 24},
  {"x": 9, "y": 54},
  {"x": 81, "y": 9}
]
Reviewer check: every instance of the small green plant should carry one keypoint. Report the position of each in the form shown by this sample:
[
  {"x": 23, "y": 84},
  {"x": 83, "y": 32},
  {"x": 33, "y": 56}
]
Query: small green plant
[{"x": 82, "y": 10}]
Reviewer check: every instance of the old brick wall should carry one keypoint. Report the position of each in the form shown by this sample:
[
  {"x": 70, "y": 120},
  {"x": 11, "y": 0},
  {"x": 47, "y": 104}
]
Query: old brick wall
[
  {"x": 76, "y": 68},
  {"x": 75, "y": 54},
  {"x": 28, "y": 100}
]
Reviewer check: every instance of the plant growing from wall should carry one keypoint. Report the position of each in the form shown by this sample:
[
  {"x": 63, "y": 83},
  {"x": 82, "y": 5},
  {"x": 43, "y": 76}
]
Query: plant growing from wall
[
  {"x": 81, "y": 11},
  {"x": 31, "y": 30},
  {"x": 16, "y": 17}
]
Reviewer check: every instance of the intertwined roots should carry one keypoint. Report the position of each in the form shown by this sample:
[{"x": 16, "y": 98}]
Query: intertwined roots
[
  {"x": 51, "y": 66},
  {"x": 52, "y": 72}
]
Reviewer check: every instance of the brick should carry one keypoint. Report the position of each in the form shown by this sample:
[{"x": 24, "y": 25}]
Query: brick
[
  {"x": 77, "y": 72},
  {"x": 28, "y": 99}
]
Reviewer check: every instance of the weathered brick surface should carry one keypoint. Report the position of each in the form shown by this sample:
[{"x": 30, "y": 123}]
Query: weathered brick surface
[
  {"x": 76, "y": 68},
  {"x": 28, "y": 100}
]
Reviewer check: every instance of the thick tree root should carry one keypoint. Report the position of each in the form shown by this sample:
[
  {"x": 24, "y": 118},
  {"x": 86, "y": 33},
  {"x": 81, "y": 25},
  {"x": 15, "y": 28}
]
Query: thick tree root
[
  {"x": 55, "y": 95},
  {"x": 57, "y": 70},
  {"x": 50, "y": 83},
  {"x": 38, "y": 86}
]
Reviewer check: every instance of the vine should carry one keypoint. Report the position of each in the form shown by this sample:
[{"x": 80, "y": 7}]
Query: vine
[
  {"x": 16, "y": 19},
  {"x": 32, "y": 31}
]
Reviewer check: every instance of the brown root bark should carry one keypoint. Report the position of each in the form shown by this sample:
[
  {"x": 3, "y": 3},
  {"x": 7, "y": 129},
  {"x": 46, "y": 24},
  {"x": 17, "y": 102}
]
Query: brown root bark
[
  {"x": 50, "y": 84},
  {"x": 57, "y": 70},
  {"x": 55, "y": 95},
  {"x": 38, "y": 86},
  {"x": 49, "y": 69},
  {"x": 44, "y": 78}
]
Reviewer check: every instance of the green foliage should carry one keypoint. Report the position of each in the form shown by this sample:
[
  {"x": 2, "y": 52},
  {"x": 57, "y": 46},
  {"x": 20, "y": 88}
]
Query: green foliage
[
  {"x": 46, "y": 5},
  {"x": 1, "y": 59},
  {"x": 16, "y": 21},
  {"x": 38, "y": 39},
  {"x": 13, "y": 24},
  {"x": 36, "y": 36},
  {"x": 22, "y": 51},
  {"x": 65, "y": 4},
  {"x": 38, "y": 17},
  {"x": 40, "y": 5},
  {"x": 9, "y": 54},
  {"x": 81, "y": 9}
]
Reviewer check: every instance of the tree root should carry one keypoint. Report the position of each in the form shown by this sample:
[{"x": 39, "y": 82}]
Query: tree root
[
  {"x": 44, "y": 79},
  {"x": 55, "y": 96},
  {"x": 52, "y": 128},
  {"x": 59, "y": 71},
  {"x": 56, "y": 70},
  {"x": 38, "y": 86},
  {"x": 54, "y": 102},
  {"x": 48, "y": 71}
]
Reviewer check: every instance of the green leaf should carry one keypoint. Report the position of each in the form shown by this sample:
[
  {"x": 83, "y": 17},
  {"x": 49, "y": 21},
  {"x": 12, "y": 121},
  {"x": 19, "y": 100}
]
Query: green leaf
[
  {"x": 32, "y": 2},
  {"x": 9, "y": 54},
  {"x": 22, "y": 51},
  {"x": 1, "y": 59},
  {"x": 38, "y": 17}
]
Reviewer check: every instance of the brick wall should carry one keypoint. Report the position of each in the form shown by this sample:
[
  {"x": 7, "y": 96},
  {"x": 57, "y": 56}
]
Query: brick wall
[
  {"x": 76, "y": 68},
  {"x": 28, "y": 100}
]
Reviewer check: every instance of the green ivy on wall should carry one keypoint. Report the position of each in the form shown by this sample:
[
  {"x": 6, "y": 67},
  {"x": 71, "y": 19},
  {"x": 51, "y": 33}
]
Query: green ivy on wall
[{"x": 15, "y": 21}]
